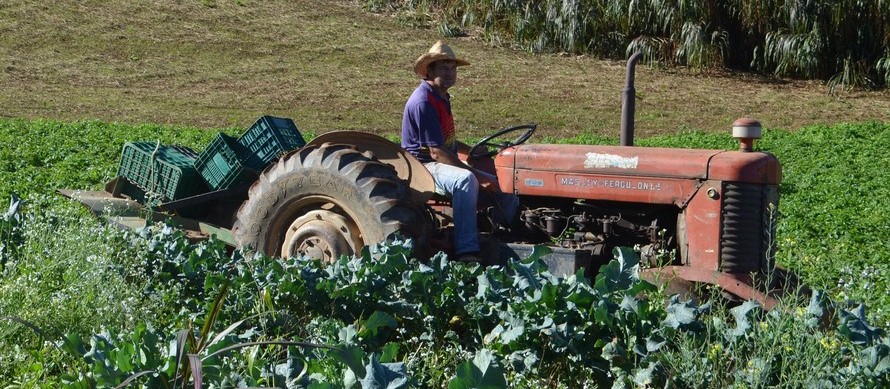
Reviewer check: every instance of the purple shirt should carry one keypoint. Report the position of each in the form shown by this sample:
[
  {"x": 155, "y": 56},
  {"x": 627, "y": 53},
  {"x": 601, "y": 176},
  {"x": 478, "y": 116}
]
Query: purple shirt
[{"x": 427, "y": 122}]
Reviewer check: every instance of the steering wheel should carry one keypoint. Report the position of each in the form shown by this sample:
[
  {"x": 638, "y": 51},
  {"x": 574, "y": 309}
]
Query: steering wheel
[{"x": 481, "y": 148}]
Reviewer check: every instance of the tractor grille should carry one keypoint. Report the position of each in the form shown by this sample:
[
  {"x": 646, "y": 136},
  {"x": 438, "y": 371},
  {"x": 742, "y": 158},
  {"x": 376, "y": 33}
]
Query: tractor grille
[{"x": 749, "y": 228}]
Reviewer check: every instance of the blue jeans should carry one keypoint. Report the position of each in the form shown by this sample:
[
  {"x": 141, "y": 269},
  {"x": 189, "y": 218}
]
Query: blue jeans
[{"x": 463, "y": 188}]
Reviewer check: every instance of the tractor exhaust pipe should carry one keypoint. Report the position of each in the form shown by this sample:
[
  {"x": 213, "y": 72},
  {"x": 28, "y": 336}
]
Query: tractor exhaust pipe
[{"x": 628, "y": 104}]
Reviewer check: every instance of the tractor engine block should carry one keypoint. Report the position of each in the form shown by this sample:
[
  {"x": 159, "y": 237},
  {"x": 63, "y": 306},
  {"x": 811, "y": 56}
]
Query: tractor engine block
[{"x": 588, "y": 227}]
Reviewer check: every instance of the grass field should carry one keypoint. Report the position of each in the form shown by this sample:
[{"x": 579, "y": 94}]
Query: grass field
[{"x": 332, "y": 66}]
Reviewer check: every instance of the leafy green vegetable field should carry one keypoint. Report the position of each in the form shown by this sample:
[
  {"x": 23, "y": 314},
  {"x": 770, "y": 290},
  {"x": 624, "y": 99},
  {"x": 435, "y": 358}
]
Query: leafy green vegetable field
[{"x": 83, "y": 304}]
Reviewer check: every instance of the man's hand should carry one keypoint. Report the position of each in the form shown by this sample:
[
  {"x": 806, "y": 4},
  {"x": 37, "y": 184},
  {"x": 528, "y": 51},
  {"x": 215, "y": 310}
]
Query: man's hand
[
  {"x": 486, "y": 183},
  {"x": 447, "y": 157}
]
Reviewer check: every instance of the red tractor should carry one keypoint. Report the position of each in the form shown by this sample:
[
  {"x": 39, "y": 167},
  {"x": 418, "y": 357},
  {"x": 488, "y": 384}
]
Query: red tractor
[{"x": 697, "y": 216}]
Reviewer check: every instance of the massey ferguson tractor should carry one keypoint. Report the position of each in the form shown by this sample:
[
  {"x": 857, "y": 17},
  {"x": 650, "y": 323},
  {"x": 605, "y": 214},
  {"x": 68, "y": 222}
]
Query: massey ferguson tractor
[{"x": 696, "y": 216}]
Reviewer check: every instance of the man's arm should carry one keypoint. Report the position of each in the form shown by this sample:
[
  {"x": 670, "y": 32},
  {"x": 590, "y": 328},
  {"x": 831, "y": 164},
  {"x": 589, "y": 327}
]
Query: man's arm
[
  {"x": 463, "y": 147},
  {"x": 450, "y": 157},
  {"x": 445, "y": 156}
]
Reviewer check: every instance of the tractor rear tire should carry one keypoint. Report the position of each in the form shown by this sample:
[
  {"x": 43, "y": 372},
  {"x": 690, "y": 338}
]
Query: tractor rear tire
[{"x": 325, "y": 202}]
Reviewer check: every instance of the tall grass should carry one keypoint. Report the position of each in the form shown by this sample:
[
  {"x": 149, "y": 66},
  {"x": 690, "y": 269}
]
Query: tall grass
[
  {"x": 839, "y": 41},
  {"x": 844, "y": 42}
]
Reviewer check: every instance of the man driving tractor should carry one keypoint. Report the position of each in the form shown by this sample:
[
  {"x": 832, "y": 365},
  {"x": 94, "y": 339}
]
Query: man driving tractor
[{"x": 428, "y": 133}]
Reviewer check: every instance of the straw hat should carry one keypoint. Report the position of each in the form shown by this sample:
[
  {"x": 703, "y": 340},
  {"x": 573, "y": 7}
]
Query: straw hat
[{"x": 439, "y": 52}]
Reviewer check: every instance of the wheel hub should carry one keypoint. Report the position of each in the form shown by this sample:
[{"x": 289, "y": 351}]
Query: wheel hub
[{"x": 321, "y": 234}]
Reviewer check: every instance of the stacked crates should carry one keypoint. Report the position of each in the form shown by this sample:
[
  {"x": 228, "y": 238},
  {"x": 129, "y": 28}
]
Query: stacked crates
[
  {"x": 268, "y": 138},
  {"x": 228, "y": 163},
  {"x": 172, "y": 172},
  {"x": 223, "y": 164},
  {"x": 165, "y": 172}
]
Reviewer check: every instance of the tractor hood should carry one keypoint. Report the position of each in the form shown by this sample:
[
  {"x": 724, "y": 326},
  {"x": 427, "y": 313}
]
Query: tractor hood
[
  {"x": 753, "y": 167},
  {"x": 673, "y": 173}
]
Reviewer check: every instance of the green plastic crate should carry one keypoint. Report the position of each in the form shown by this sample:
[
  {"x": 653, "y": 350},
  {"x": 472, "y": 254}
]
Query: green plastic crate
[
  {"x": 268, "y": 138},
  {"x": 167, "y": 172},
  {"x": 223, "y": 163}
]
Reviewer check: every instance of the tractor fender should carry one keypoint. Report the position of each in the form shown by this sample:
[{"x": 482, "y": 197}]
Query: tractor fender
[{"x": 420, "y": 181}]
